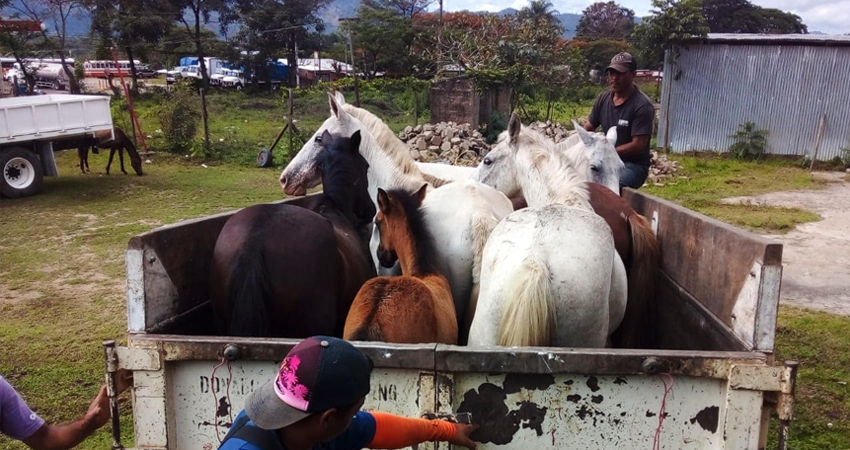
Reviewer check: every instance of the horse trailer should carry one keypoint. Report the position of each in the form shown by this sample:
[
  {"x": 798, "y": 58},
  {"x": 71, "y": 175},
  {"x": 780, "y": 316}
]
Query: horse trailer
[
  {"x": 31, "y": 128},
  {"x": 713, "y": 384}
]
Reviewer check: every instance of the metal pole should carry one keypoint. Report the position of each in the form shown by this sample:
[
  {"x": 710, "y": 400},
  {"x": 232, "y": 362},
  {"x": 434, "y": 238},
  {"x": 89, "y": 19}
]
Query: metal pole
[
  {"x": 111, "y": 360},
  {"x": 354, "y": 69},
  {"x": 133, "y": 117},
  {"x": 785, "y": 407},
  {"x": 289, "y": 124}
]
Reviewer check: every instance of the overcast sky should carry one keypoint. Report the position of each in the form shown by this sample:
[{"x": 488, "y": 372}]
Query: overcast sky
[{"x": 828, "y": 16}]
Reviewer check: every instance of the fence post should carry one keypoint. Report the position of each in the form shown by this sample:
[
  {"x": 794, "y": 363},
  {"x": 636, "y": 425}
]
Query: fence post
[{"x": 206, "y": 126}]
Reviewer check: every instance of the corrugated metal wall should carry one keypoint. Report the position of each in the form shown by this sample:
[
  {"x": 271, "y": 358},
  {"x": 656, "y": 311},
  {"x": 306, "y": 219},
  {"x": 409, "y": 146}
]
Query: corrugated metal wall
[{"x": 783, "y": 88}]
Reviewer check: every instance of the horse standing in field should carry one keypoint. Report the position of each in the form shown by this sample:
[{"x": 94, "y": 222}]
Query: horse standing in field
[
  {"x": 416, "y": 307},
  {"x": 551, "y": 275},
  {"x": 281, "y": 270},
  {"x": 104, "y": 139},
  {"x": 459, "y": 216}
]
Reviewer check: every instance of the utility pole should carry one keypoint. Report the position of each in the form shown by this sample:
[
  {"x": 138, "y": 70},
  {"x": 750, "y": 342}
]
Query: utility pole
[{"x": 353, "y": 67}]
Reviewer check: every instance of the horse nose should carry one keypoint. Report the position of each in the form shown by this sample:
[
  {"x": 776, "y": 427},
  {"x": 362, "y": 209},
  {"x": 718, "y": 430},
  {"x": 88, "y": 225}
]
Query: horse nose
[{"x": 283, "y": 180}]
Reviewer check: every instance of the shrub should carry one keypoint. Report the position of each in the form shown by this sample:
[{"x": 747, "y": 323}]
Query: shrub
[
  {"x": 845, "y": 156},
  {"x": 750, "y": 142},
  {"x": 178, "y": 115}
]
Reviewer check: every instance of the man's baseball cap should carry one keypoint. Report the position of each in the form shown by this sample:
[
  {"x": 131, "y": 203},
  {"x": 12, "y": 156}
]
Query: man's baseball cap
[
  {"x": 319, "y": 373},
  {"x": 623, "y": 62}
]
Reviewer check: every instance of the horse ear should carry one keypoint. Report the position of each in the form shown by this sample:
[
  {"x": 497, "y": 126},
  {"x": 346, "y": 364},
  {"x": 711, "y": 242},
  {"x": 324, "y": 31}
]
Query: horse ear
[
  {"x": 355, "y": 141},
  {"x": 326, "y": 136},
  {"x": 339, "y": 97},
  {"x": 586, "y": 138},
  {"x": 336, "y": 108},
  {"x": 514, "y": 127},
  {"x": 611, "y": 135},
  {"x": 420, "y": 194},
  {"x": 383, "y": 201}
]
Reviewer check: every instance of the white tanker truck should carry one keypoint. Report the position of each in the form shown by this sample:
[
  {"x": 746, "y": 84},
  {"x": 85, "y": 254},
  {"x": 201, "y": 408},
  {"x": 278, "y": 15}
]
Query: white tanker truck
[{"x": 48, "y": 74}]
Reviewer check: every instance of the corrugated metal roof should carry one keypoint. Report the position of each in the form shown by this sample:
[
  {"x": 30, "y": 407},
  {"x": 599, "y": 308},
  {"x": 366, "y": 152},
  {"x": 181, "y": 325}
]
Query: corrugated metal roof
[
  {"x": 774, "y": 39},
  {"x": 782, "y": 88}
]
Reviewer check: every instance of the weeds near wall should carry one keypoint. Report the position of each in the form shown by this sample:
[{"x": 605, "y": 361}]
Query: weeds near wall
[{"x": 750, "y": 143}]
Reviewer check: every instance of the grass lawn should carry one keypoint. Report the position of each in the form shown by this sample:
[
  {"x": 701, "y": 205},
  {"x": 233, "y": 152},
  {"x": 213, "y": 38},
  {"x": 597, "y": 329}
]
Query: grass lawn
[
  {"x": 703, "y": 181},
  {"x": 62, "y": 274}
]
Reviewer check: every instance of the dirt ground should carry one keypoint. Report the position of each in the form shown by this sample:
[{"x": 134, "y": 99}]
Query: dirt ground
[{"x": 816, "y": 254}]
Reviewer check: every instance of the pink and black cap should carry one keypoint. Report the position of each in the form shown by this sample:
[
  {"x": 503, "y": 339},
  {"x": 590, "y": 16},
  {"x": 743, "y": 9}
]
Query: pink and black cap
[{"x": 319, "y": 373}]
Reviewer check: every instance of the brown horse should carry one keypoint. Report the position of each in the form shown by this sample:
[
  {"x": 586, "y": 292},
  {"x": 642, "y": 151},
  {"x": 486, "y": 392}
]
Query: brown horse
[
  {"x": 638, "y": 248},
  {"x": 281, "y": 270},
  {"x": 103, "y": 139},
  {"x": 416, "y": 307}
]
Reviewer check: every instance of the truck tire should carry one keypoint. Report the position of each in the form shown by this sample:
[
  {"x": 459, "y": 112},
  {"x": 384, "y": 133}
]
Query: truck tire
[{"x": 22, "y": 173}]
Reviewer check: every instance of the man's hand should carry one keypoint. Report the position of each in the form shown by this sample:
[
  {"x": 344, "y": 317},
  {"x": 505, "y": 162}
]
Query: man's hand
[
  {"x": 99, "y": 411},
  {"x": 461, "y": 438}
]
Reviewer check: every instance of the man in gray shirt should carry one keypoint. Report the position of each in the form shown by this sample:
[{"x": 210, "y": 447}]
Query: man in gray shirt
[{"x": 624, "y": 106}]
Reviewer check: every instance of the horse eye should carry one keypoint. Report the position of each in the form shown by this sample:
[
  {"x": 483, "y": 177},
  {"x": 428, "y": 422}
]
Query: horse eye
[
  {"x": 594, "y": 168},
  {"x": 488, "y": 161},
  {"x": 318, "y": 139}
]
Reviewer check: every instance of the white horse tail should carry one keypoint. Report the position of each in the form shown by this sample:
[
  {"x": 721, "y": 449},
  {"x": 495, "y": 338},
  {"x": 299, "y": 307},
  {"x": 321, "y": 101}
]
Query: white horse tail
[
  {"x": 529, "y": 315},
  {"x": 641, "y": 317}
]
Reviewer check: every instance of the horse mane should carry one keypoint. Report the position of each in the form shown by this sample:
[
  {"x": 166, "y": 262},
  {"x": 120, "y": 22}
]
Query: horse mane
[
  {"x": 391, "y": 145},
  {"x": 426, "y": 251},
  {"x": 560, "y": 179},
  {"x": 572, "y": 148}
]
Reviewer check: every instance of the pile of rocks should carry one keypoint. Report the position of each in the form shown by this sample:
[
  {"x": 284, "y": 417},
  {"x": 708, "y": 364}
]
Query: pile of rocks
[
  {"x": 553, "y": 130},
  {"x": 662, "y": 168},
  {"x": 456, "y": 144}
]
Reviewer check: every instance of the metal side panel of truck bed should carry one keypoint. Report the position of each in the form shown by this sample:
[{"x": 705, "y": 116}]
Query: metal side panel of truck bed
[{"x": 718, "y": 289}]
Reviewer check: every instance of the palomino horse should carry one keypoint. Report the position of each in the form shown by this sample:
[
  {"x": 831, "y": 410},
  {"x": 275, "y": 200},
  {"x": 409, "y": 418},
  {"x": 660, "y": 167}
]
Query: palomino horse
[
  {"x": 281, "y": 270},
  {"x": 416, "y": 307},
  {"x": 460, "y": 216},
  {"x": 104, "y": 139},
  {"x": 551, "y": 275}
]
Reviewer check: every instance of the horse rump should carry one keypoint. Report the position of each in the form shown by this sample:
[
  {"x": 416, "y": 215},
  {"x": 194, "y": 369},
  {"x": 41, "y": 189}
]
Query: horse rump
[
  {"x": 637, "y": 329},
  {"x": 529, "y": 315},
  {"x": 250, "y": 295}
]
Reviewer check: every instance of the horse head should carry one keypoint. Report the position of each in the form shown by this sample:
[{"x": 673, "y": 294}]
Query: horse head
[
  {"x": 302, "y": 172},
  {"x": 344, "y": 181},
  {"x": 499, "y": 168},
  {"x": 395, "y": 220},
  {"x": 604, "y": 163}
]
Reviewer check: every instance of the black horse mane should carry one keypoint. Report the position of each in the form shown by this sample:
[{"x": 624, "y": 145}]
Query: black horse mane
[
  {"x": 341, "y": 170},
  {"x": 426, "y": 251}
]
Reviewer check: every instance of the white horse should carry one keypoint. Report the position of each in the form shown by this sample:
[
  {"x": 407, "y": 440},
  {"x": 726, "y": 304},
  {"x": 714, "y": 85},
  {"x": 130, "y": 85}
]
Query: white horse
[
  {"x": 460, "y": 216},
  {"x": 551, "y": 275},
  {"x": 592, "y": 154}
]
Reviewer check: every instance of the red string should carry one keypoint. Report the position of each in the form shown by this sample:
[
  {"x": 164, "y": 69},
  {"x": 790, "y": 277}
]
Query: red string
[
  {"x": 215, "y": 398},
  {"x": 656, "y": 445}
]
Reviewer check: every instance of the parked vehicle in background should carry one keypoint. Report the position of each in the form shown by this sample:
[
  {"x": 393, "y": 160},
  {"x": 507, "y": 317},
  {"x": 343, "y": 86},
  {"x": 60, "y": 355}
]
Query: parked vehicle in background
[
  {"x": 230, "y": 78},
  {"x": 145, "y": 71},
  {"x": 31, "y": 128},
  {"x": 102, "y": 68}
]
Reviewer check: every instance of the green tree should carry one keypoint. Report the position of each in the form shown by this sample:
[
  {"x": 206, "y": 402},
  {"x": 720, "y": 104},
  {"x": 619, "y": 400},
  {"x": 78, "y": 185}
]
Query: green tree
[
  {"x": 199, "y": 12},
  {"x": 22, "y": 45},
  {"x": 741, "y": 16},
  {"x": 605, "y": 21},
  {"x": 383, "y": 38},
  {"x": 407, "y": 8},
  {"x": 672, "y": 22},
  {"x": 599, "y": 53},
  {"x": 267, "y": 27}
]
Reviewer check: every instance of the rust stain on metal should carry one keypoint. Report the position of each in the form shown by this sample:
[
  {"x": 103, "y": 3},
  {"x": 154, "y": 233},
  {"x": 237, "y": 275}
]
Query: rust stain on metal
[
  {"x": 708, "y": 418},
  {"x": 488, "y": 406},
  {"x": 575, "y": 398},
  {"x": 620, "y": 380},
  {"x": 597, "y": 399},
  {"x": 593, "y": 384}
]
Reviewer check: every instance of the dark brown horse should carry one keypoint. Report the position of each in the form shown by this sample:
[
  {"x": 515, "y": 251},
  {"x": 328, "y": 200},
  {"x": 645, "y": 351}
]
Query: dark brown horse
[
  {"x": 636, "y": 244},
  {"x": 281, "y": 270},
  {"x": 416, "y": 307},
  {"x": 103, "y": 139}
]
